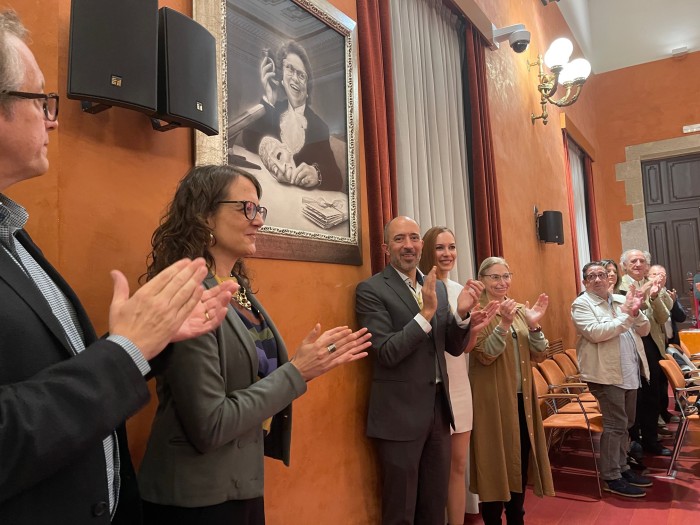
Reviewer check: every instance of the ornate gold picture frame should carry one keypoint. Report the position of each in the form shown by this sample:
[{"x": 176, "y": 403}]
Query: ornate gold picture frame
[{"x": 288, "y": 114}]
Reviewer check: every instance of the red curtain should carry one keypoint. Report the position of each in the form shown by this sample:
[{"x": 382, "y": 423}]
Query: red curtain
[
  {"x": 593, "y": 236},
  {"x": 376, "y": 81},
  {"x": 488, "y": 239}
]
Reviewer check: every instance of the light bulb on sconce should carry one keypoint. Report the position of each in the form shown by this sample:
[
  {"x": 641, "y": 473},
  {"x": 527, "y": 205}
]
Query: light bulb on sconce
[{"x": 570, "y": 75}]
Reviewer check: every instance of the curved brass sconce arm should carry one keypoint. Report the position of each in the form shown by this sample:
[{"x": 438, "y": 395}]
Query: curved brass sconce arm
[{"x": 548, "y": 84}]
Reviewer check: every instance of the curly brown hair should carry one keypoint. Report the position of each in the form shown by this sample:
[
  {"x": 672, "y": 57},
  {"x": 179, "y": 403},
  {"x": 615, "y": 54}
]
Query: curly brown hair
[{"x": 183, "y": 230}]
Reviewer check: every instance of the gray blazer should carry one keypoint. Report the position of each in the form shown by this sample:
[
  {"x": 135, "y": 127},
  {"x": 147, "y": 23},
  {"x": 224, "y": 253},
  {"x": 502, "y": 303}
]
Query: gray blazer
[
  {"x": 402, "y": 399},
  {"x": 206, "y": 445}
]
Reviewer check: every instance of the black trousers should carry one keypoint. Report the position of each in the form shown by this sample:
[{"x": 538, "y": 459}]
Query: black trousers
[
  {"x": 663, "y": 398},
  {"x": 648, "y": 400},
  {"x": 491, "y": 511},
  {"x": 236, "y": 512}
]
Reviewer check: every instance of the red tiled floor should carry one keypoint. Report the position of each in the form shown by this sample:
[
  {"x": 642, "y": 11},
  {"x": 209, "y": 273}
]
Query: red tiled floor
[{"x": 668, "y": 502}]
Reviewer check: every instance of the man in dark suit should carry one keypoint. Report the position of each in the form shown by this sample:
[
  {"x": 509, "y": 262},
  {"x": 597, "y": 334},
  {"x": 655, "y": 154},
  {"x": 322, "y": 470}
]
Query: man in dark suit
[
  {"x": 63, "y": 392},
  {"x": 409, "y": 407}
]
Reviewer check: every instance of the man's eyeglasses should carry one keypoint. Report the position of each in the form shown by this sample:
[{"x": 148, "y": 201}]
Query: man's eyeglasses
[
  {"x": 591, "y": 277},
  {"x": 50, "y": 101},
  {"x": 494, "y": 277},
  {"x": 291, "y": 71},
  {"x": 250, "y": 209}
]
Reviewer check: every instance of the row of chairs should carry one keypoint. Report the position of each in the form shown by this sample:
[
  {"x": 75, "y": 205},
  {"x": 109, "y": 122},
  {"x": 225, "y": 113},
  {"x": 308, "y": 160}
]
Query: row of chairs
[
  {"x": 685, "y": 388},
  {"x": 566, "y": 404}
]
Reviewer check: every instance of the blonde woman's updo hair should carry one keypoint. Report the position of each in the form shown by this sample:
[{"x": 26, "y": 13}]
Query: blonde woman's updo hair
[{"x": 491, "y": 261}]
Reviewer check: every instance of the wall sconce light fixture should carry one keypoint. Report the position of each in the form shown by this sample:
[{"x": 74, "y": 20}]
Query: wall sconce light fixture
[{"x": 570, "y": 75}]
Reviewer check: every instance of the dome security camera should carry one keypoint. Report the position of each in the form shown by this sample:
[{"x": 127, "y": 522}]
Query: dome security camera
[
  {"x": 518, "y": 37},
  {"x": 519, "y": 40}
]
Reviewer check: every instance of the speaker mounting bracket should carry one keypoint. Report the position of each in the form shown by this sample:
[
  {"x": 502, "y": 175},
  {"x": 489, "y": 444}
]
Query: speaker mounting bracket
[
  {"x": 89, "y": 107},
  {"x": 537, "y": 224},
  {"x": 159, "y": 126}
]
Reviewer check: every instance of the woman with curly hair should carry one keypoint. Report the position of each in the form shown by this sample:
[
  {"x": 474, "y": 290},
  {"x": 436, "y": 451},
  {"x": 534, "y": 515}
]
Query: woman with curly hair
[{"x": 224, "y": 398}]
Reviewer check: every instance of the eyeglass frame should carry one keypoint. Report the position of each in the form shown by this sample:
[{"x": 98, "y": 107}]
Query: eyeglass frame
[
  {"x": 496, "y": 277},
  {"x": 601, "y": 276},
  {"x": 294, "y": 72},
  {"x": 35, "y": 96},
  {"x": 262, "y": 210}
]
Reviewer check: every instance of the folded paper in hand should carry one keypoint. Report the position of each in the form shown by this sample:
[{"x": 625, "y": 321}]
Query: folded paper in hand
[{"x": 323, "y": 213}]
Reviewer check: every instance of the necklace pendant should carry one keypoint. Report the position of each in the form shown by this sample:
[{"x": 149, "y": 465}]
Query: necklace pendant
[{"x": 242, "y": 299}]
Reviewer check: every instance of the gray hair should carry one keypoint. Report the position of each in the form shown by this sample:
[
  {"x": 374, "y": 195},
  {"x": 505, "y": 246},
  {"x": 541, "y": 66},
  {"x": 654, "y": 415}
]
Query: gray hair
[
  {"x": 11, "y": 65},
  {"x": 491, "y": 261},
  {"x": 625, "y": 255}
]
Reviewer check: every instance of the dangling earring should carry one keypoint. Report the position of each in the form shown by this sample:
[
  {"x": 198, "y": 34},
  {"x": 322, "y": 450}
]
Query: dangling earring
[{"x": 212, "y": 239}]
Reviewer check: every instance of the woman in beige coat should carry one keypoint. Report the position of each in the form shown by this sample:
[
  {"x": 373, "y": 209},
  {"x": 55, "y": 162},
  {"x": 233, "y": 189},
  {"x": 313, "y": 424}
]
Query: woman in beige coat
[{"x": 508, "y": 441}]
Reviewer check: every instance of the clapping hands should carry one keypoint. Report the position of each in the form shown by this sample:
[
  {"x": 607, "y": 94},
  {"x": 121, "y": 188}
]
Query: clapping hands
[
  {"x": 534, "y": 314},
  {"x": 634, "y": 300},
  {"x": 469, "y": 297},
  {"x": 482, "y": 316}
]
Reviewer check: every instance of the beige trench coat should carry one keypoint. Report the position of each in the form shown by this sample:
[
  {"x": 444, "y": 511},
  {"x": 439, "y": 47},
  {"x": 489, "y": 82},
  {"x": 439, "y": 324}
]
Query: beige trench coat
[{"x": 495, "y": 443}]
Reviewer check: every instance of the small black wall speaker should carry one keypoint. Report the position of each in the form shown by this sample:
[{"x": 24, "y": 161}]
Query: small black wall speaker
[
  {"x": 187, "y": 92},
  {"x": 113, "y": 54},
  {"x": 550, "y": 227}
]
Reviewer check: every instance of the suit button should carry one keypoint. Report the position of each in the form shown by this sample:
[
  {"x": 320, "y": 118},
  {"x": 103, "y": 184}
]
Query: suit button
[{"x": 98, "y": 509}]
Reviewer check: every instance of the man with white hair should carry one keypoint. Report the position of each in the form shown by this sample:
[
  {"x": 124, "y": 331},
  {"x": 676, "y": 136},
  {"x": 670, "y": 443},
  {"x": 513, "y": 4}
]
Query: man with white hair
[{"x": 657, "y": 305}]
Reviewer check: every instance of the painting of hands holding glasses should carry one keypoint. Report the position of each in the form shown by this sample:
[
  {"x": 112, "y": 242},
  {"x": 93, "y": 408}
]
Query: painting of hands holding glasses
[{"x": 289, "y": 88}]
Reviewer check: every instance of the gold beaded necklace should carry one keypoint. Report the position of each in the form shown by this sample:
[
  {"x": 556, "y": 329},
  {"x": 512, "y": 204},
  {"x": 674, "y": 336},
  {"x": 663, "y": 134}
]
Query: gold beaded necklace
[{"x": 240, "y": 296}]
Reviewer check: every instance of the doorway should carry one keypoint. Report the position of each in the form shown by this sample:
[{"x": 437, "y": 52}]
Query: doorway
[{"x": 672, "y": 205}]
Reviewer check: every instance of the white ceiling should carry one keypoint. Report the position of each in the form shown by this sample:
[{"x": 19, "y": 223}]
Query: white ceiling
[{"x": 614, "y": 34}]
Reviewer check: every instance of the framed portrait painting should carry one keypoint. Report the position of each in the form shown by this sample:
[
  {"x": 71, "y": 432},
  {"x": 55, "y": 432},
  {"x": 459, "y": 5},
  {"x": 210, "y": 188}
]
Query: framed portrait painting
[{"x": 288, "y": 111}]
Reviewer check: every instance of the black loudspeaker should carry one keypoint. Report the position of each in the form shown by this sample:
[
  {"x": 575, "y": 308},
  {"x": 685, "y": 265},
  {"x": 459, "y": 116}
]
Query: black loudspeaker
[
  {"x": 113, "y": 54},
  {"x": 550, "y": 227},
  {"x": 187, "y": 92}
]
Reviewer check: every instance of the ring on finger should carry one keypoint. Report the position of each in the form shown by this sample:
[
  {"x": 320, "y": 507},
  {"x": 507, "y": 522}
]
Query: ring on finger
[{"x": 331, "y": 348}]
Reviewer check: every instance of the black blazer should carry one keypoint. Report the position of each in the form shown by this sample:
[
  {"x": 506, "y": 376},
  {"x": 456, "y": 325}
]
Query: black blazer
[
  {"x": 402, "y": 397},
  {"x": 56, "y": 408}
]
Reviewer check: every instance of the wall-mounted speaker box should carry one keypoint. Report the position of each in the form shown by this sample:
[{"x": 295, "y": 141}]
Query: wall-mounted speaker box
[
  {"x": 550, "y": 227},
  {"x": 113, "y": 54},
  {"x": 187, "y": 90}
]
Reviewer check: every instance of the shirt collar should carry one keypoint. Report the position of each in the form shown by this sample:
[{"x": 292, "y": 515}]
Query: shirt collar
[
  {"x": 13, "y": 217},
  {"x": 407, "y": 279}
]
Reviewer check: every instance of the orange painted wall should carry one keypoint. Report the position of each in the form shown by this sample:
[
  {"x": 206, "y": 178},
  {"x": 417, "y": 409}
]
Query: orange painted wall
[
  {"x": 636, "y": 105},
  {"x": 530, "y": 164}
]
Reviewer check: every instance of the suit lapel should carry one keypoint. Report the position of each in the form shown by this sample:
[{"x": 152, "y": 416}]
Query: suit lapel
[
  {"x": 16, "y": 279},
  {"x": 397, "y": 284},
  {"x": 234, "y": 322},
  {"x": 37, "y": 254}
]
